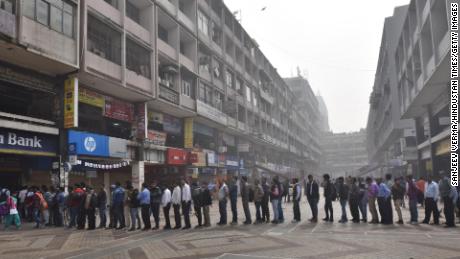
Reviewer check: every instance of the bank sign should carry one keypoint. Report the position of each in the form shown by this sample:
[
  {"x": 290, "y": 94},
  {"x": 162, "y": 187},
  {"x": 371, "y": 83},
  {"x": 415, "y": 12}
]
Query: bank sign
[{"x": 27, "y": 143}]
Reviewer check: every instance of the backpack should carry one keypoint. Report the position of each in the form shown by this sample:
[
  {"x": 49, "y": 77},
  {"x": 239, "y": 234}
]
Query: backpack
[
  {"x": 251, "y": 195},
  {"x": 333, "y": 192}
]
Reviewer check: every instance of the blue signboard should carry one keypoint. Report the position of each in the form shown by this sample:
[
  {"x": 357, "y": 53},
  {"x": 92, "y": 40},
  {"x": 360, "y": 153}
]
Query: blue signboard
[
  {"x": 89, "y": 143},
  {"x": 27, "y": 143}
]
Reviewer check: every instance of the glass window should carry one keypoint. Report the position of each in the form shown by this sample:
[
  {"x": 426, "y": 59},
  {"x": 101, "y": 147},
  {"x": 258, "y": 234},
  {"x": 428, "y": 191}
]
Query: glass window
[
  {"x": 162, "y": 33},
  {"x": 103, "y": 40},
  {"x": 137, "y": 58},
  {"x": 28, "y": 8},
  {"x": 113, "y": 3},
  {"x": 202, "y": 92},
  {"x": 133, "y": 12},
  {"x": 229, "y": 79},
  {"x": 203, "y": 23},
  {"x": 42, "y": 12},
  {"x": 186, "y": 88},
  {"x": 56, "y": 18},
  {"x": 248, "y": 94},
  {"x": 7, "y": 5},
  {"x": 68, "y": 24}
]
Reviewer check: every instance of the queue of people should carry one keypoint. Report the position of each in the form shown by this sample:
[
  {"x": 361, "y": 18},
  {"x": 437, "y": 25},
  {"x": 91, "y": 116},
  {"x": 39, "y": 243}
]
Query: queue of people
[{"x": 129, "y": 208}]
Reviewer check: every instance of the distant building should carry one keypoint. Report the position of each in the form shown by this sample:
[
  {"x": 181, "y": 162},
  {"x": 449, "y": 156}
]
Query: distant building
[
  {"x": 324, "y": 114},
  {"x": 343, "y": 153}
]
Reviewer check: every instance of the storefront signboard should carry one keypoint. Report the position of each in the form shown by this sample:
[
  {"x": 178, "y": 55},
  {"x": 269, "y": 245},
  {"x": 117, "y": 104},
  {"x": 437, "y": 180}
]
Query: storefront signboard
[
  {"x": 188, "y": 133},
  {"x": 198, "y": 158},
  {"x": 211, "y": 158},
  {"x": 118, "y": 147},
  {"x": 243, "y": 147},
  {"x": 71, "y": 103},
  {"x": 27, "y": 143},
  {"x": 156, "y": 137},
  {"x": 89, "y": 143},
  {"x": 118, "y": 110},
  {"x": 172, "y": 124},
  {"x": 176, "y": 156},
  {"x": 91, "y": 98}
]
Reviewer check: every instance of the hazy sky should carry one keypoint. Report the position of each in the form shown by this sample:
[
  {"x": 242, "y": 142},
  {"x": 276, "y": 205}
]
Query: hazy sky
[{"x": 335, "y": 43}]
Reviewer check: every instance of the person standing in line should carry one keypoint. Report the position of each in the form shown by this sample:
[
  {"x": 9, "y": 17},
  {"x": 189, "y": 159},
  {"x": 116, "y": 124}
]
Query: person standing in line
[
  {"x": 13, "y": 214},
  {"x": 176, "y": 202},
  {"x": 155, "y": 201},
  {"x": 166, "y": 205},
  {"x": 102, "y": 206},
  {"x": 111, "y": 207},
  {"x": 282, "y": 192},
  {"x": 412, "y": 193},
  {"x": 233, "y": 193},
  {"x": 343, "y": 192},
  {"x": 389, "y": 183},
  {"x": 447, "y": 192},
  {"x": 126, "y": 209},
  {"x": 398, "y": 195},
  {"x": 60, "y": 207},
  {"x": 46, "y": 211},
  {"x": 330, "y": 194},
  {"x": 21, "y": 202},
  {"x": 421, "y": 184},
  {"x": 245, "y": 189},
  {"x": 186, "y": 203},
  {"x": 312, "y": 193},
  {"x": 384, "y": 201},
  {"x": 274, "y": 198},
  {"x": 144, "y": 201},
  {"x": 206, "y": 203},
  {"x": 81, "y": 194},
  {"x": 222, "y": 196},
  {"x": 197, "y": 198},
  {"x": 265, "y": 201},
  {"x": 296, "y": 194},
  {"x": 90, "y": 208},
  {"x": 362, "y": 199},
  {"x": 354, "y": 200},
  {"x": 134, "y": 204},
  {"x": 118, "y": 206},
  {"x": 258, "y": 197},
  {"x": 372, "y": 191},
  {"x": 431, "y": 201}
]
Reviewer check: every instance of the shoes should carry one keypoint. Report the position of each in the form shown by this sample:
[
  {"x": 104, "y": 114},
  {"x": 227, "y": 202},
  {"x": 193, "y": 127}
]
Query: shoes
[
  {"x": 207, "y": 225},
  {"x": 155, "y": 228},
  {"x": 234, "y": 223},
  {"x": 186, "y": 227},
  {"x": 326, "y": 219},
  {"x": 247, "y": 222},
  {"x": 177, "y": 227},
  {"x": 400, "y": 222},
  {"x": 198, "y": 226},
  {"x": 223, "y": 224},
  {"x": 275, "y": 222},
  {"x": 167, "y": 228},
  {"x": 414, "y": 223},
  {"x": 295, "y": 221},
  {"x": 314, "y": 220},
  {"x": 131, "y": 229}
]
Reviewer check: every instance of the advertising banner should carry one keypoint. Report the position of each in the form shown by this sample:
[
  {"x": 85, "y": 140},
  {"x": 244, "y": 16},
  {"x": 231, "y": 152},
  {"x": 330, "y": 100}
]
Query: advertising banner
[
  {"x": 156, "y": 137},
  {"x": 172, "y": 124},
  {"x": 188, "y": 132},
  {"x": 176, "y": 156},
  {"x": 141, "y": 120},
  {"x": 71, "y": 103},
  {"x": 118, "y": 110},
  {"x": 89, "y": 143},
  {"x": 27, "y": 143},
  {"x": 91, "y": 98}
]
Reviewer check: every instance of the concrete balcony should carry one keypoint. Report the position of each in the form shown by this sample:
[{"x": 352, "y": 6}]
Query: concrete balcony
[
  {"x": 100, "y": 65},
  {"x": 138, "y": 81},
  {"x": 231, "y": 122},
  {"x": 430, "y": 67},
  {"x": 216, "y": 47},
  {"x": 166, "y": 49},
  {"x": 169, "y": 7},
  {"x": 205, "y": 75},
  {"x": 7, "y": 24},
  {"x": 187, "y": 102},
  {"x": 241, "y": 126},
  {"x": 267, "y": 96},
  {"x": 107, "y": 10},
  {"x": 211, "y": 113},
  {"x": 443, "y": 48},
  {"x": 186, "y": 62},
  {"x": 137, "y": 30},
  {"x": 186, "y": 21}
]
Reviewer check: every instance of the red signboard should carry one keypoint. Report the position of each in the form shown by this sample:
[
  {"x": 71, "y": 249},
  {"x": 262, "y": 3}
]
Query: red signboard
[
  {"x": 118, "y": 110},
  {"x": 175, "y": 156}
]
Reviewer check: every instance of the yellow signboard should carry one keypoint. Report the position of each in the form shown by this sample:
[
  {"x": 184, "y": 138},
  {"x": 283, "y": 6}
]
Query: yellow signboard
[
  {"x": 91, "y": 98},
  {"x": 188, "y": 133},
  {"x": 71, "y": 103}
]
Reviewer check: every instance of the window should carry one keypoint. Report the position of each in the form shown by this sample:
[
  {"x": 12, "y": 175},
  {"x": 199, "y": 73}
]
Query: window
[
  {"x": 103, "y": 40},
  {"x": 216, "y": 33},
  {"x": 202, "y": 92},
  {"x": 137, "y": 58},
  {"x": 7, "y": 5},
  {"x": 113, "y": 3},
  {"x": 162, "y": 33},
  {"x": 132, "y": 12},
  {"x": 56, "y": 14},
  {"x": 248, "y": 94},
  {"x": 187, "y": 88},
  {"x": 203, "y": 22},
  {"x": 229, "y": 78},
  {"x": 217, "y": 102}
]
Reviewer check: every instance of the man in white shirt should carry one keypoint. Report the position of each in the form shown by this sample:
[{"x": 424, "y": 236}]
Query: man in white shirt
[
  {"x": 22, "y": 198},
  {"x": 186, "y": 203},
  {"x": 223, "y": 194},
  {"x": 166, "y": 205},
  {"x": 431, "y": 201},
  {"x": 176, "y": 202}
]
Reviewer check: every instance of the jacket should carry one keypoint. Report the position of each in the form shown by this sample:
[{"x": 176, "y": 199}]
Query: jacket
[
  {"x": 312, "y": 190},
  {"x": 258, "y": 193},
  {"x": 245, "y": 192}
]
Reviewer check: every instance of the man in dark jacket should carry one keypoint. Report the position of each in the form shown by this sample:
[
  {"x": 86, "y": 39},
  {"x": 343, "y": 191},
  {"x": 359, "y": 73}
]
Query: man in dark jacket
[
  {"x": 102, "y": 206},
  {"x": 206, "y": 203},
  {"x": 265, "y": 201},
  {"x": 245, "y": 189},
  {"x": 329, "y": 191},
  {"x": 296, "y": 194},
  {"x": 312, "y": 193},
  {"x": 354, "y": 200},
  {"x": 155, "y": 201},
  {"x": 343, "y": 192},
  {"x": 197, "y": 198},
  {"x": 90, "y": 208},
  {"x": 233, "y": 193}
]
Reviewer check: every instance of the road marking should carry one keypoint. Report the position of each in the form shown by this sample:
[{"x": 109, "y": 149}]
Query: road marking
[{"x": 253, "y": 256}]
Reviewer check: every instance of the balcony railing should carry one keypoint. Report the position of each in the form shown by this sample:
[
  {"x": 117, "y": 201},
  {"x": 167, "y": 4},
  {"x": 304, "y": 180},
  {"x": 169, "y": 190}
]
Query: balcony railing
[{"x": 169, "y": 94}]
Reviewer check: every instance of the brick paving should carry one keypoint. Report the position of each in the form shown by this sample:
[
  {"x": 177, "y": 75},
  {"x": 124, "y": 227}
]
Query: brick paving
[{"x": 288, "y": 240}]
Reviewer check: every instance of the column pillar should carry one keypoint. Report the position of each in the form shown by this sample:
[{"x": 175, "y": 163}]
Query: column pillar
[{"x": 138, "y": 174}]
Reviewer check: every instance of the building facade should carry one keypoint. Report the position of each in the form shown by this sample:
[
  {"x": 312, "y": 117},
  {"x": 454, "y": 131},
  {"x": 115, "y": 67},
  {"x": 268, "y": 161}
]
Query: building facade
[
  {"x": 129, "y": 90},
  {"x": 390, "y": 140},
  {"x": 344, "y": 153},
  {"x": 324, "y": 114},
  {"x": 416, "y": 44}
]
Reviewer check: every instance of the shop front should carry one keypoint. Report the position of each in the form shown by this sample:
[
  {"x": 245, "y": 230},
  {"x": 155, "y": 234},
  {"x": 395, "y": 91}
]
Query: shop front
[
  {"x": 172, "y": 170},
  {"x": 100, "y": 159},
  {"x": 26, "y": 158}
]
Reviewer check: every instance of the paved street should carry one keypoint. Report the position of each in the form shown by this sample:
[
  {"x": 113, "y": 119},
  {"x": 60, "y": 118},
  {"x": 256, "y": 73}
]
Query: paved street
[{"x": 303, "y": 240}]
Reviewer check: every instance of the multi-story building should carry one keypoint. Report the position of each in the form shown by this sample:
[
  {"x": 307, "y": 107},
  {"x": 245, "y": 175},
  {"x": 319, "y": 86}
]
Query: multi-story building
[
  {"x": 390, "y": 140},
  {"x": 142, "y": 90},
  {"x": 422, "y": 70},
  {"x": 344, "y": 153},
  {"x": 324, "y": 114}
]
